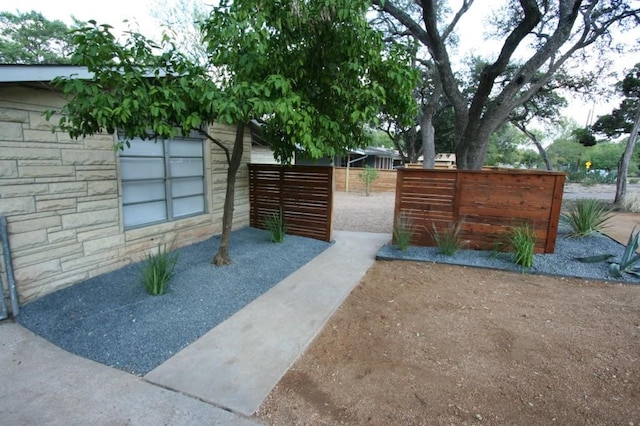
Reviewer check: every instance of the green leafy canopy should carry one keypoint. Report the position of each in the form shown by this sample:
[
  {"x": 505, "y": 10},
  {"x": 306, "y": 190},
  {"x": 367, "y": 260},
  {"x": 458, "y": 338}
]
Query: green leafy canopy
[{"x": 310, "y": 70}]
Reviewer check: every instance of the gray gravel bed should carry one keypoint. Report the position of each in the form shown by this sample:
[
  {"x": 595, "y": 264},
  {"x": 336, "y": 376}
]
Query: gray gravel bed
[
  {"x": 560, "y": 263},
  {"x": 111, "y": 319}
]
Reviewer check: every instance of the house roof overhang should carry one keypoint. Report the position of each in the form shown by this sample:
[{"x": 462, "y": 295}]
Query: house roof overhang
[{"x": 40, "y": 73}]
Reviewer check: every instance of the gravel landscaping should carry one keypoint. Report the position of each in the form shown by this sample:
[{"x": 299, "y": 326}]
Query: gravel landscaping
[{"x": 111, "y": 319}]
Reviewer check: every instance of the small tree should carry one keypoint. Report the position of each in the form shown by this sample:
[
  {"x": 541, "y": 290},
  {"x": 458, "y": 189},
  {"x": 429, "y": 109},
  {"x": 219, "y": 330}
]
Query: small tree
[
  {"x": 367, "y": 176},
  {"x": 266, "y": 67}
]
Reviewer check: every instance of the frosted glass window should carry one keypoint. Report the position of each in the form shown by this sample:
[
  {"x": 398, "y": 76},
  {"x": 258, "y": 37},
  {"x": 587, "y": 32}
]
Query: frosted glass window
[
  {"x": 145, "y": 148},
  {"x": 141, "y": 168},
  {"x": 143, "y": 191},
  {"x": 188, "y": 206},
  {"x": 139, "y": 214},
  {"x": 162, "y": 181},
  {"x": 186, "y": 187},
  {"x": 185, "y": 148},
  {"x": 186, "y": 167}
]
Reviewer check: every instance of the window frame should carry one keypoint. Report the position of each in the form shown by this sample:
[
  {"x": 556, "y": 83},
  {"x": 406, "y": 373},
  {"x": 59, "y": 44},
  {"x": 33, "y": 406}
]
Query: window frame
[{"x": 167, "y": 179}]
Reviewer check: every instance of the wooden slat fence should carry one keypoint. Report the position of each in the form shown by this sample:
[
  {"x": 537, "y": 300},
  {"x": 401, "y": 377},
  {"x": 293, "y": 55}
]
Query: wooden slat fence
[
  {"x": 304, "y": 193},
  {"x": 486, "y": 204}
]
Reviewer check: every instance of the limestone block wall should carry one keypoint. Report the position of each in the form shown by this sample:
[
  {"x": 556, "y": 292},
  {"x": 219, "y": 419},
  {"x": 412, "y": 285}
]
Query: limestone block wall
[{"x": 63, "y": 204}]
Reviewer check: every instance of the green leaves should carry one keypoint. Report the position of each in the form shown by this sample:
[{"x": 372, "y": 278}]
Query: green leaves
[
  {"x": 312, "y": 71},
  {"x": 30, "y": 38}
]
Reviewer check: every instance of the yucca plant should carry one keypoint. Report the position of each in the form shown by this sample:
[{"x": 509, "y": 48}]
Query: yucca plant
[
  {"x": 402, "y": 232},
  {"x": 629, "y": 258},
  {"x": 276, "y": 226},
  {"x": 523, "y": 241},
  {"x": 448, "y": 240},
  {"x": 586, "y": 216},
  {"x": 158, "y": 270}
]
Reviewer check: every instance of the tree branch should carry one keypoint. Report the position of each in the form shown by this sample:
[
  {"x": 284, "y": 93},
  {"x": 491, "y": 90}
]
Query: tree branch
[
  {"x": 217, "y": 143},
  {"x": 466, "y": 4}
]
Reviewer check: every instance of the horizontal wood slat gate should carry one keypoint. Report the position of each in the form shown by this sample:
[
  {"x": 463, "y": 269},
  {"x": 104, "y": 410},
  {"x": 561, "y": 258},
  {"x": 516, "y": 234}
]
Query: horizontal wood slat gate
[
  {"x": 485, "y": 203},
  {"x": 304, "y": 194}
]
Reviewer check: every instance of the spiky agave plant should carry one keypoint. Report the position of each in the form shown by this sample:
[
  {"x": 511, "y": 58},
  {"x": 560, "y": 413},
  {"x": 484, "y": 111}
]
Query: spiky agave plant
[{"x": 629, "y": 258}]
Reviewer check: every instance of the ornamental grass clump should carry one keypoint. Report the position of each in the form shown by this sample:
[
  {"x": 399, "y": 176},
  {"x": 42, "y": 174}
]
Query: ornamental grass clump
[
  {"x": 523, "y": 241},
  {"x": 448, "y": 240},
  {"x": 274, "y": 223},
  {"x": 586, "y": 216},
  {"x": 158, "y": 270},
  {"x": 402, "y": 232}
]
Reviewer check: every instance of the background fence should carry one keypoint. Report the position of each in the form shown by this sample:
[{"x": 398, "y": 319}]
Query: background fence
[
  {"x": 386, "y": 181},
  {"x": 304, "y": 194},
  {"x": 486, "y": 204}
]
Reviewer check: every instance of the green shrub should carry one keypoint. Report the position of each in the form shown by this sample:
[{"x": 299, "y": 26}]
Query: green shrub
[
  {"x": 523, "y": 241},
  {"x": 586, "y": 216},
  {"x": 274, "y": 223},
  {"x": 367, "y": 176},
  {"x": 402, "y": 232},
  {"x": 158, "y": 270},
  {"x": 448, "y": 240}
]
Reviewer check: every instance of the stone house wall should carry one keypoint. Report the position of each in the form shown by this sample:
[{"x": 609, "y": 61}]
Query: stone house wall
[{"x": 63, "y": 204}]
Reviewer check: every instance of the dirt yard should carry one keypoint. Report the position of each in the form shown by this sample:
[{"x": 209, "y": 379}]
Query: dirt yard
[{"x": 422, "y": 343}]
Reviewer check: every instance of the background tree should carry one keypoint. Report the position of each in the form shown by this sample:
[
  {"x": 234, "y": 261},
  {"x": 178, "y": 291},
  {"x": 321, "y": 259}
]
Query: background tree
[
  {"x": 304, "y": 68},
  {"x": 30, "y": 38},
  {"x": 181, "y": 20},
  {"x": 554, "y": 32},
  {"x": 624, "y": 120},
  {"x": 504, "y": 144}
]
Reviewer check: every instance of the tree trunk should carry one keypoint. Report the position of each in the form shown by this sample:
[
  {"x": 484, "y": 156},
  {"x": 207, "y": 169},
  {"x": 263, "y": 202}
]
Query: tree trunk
[
  {"x": 222, "y": 256},
  {"x": 470, "y": 154},
  {"x": 428, "y": 141},
  {"x": 625, "y": 160},
  {"x": 543, "y": 154}
]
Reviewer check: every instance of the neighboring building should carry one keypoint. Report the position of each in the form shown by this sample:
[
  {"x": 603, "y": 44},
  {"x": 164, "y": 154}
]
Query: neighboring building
[
  {"x": 77, "y": 209},
  {"x": 261, "y": 152},
  {"x": 376, "y": 157}
]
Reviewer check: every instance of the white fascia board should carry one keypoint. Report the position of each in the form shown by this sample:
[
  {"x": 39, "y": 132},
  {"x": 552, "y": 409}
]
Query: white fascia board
[{"x": 43, "y": 73}]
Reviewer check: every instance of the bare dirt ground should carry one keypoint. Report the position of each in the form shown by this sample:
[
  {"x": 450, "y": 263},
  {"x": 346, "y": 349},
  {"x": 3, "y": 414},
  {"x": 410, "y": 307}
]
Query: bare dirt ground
[{"x": 422, "y": 343}]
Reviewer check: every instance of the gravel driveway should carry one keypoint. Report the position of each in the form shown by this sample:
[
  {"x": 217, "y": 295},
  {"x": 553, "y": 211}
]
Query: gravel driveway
[{"x": 354, "y": 211}]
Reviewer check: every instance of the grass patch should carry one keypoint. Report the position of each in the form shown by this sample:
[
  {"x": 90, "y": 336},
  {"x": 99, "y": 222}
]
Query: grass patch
[
  {"x": 274, "y": 223},
  {"x": 586, "y": 216},
  {"x": 158, "y": 270},
  {"x": 523, "y": 241},
  {"x": 402, "y": 232},
  {"x": 448, "y": 240}
]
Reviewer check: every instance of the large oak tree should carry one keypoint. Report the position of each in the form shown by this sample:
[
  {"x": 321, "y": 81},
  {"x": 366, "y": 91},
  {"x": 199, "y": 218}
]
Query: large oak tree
[{"x": 552, "y": 31}]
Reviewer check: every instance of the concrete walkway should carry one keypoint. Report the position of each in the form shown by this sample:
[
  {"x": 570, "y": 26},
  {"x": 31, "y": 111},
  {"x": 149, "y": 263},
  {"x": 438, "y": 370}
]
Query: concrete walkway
[
  {"x": 220, "y": 379},
  {"x": 237, "y": 364},
  {"x": 621, "y": 225}
]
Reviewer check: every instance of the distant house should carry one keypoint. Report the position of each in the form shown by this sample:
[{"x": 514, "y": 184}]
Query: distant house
[
  {"x": 376, "y": 157},
  {"x": 261, "y": 152},
  {"x": 77, "y": 209}
]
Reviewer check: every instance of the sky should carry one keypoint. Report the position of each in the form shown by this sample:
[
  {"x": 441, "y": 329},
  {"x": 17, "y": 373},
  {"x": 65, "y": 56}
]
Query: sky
[{"x": 113, "y": 12}]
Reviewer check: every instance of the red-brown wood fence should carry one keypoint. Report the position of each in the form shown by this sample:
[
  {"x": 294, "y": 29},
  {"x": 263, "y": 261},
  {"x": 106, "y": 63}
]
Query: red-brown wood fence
[
  {"x": 304, "y": 194},
  {"x": 486, "y": 204}
]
